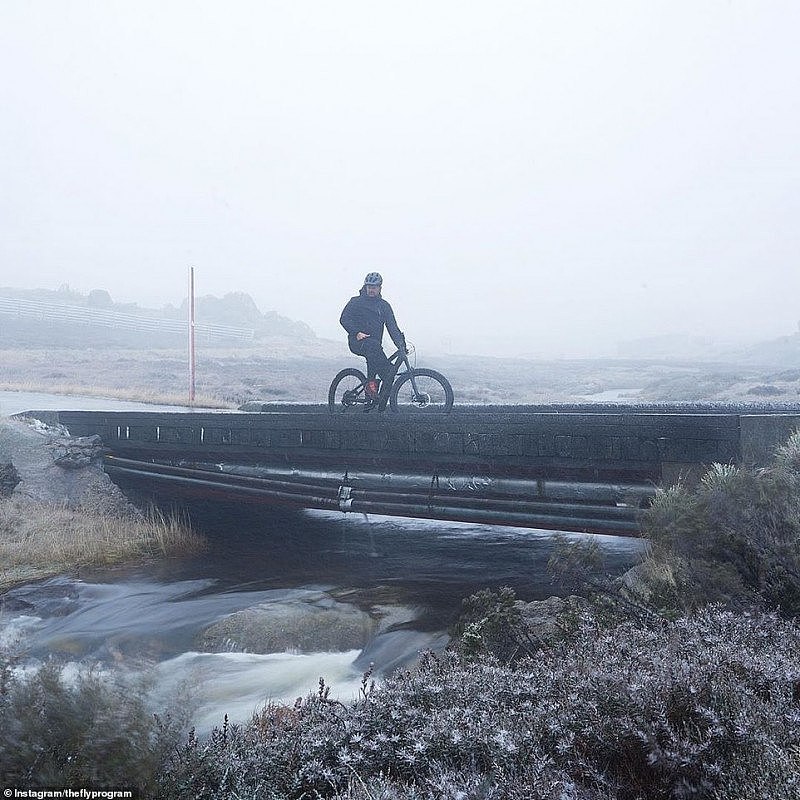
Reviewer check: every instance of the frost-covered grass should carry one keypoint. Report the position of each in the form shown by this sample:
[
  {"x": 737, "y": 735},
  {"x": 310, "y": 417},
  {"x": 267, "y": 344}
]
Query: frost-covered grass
[
  {"x": 153, "y": 396},
  {"x": 224, "y": 377}
]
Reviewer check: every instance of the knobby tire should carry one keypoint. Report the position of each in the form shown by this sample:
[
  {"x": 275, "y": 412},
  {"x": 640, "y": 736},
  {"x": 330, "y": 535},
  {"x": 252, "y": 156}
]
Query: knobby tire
[
  {"x": 335, "y": 403},
  {"x": 404, "y": 385}
]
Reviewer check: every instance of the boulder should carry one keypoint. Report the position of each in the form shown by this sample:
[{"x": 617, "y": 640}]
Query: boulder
[
  {"x": 643, "y": 581},
  {"x": 52, "y": 467},
  {"x": 316, "y": 624},
  {"x": 546, "y": 620}
]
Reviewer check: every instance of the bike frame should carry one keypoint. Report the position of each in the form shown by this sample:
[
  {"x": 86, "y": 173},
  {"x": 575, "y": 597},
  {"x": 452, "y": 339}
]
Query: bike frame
[
  {"x": 357, "y": 395},
  {"x": 397, "y": 359}
]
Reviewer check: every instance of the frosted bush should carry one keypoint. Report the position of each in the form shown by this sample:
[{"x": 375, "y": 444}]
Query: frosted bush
[
  {"x": 733, "y": 539},
  {"x": 93, "y": 729},
  {"x": 668, "y": 710}
]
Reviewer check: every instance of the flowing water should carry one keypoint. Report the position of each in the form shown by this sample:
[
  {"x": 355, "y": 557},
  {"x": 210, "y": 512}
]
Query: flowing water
[{"x": 279, "y": 600}]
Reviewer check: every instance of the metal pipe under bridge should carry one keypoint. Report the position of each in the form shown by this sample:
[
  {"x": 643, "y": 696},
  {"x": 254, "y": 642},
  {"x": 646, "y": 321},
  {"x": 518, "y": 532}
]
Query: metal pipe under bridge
[{"x": 576, "y": 468}]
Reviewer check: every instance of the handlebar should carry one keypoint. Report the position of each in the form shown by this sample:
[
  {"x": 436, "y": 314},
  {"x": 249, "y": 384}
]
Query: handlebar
[{"x": 399, "y": 354}]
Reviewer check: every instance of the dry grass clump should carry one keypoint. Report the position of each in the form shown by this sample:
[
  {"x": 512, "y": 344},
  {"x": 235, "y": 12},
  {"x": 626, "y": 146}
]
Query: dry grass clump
[
  {"x": 39, "y": 539},
  {"x": 134, "y": 394}
]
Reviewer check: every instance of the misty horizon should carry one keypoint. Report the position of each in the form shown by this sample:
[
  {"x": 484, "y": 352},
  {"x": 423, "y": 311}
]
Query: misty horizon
[
  {"x": 530, "y": 179},
  {"x": 237, "y": 309}
]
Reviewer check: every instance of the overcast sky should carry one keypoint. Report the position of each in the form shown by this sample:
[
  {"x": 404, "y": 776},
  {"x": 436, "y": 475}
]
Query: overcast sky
[{"x": 542, "y": 178}]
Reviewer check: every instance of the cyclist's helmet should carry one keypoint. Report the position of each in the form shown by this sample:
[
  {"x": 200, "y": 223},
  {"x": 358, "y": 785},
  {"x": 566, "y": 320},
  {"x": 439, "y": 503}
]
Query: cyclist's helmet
[{"x": 373, "y": 279}]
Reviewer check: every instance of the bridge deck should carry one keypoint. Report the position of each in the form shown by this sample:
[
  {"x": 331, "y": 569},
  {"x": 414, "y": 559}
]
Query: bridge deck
[{"x": 532, "y": 466}]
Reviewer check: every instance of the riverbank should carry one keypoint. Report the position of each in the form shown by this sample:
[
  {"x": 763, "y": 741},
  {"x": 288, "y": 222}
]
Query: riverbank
[
  {"x": 40, "y": 539},
  {"x": 59, "y": 512},
  {"x": 283, "y": 370}
]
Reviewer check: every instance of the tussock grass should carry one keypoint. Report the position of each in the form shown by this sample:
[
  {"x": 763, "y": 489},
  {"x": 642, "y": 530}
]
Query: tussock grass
[
  {"x": 38, "y": 540},
  {"x": 733, "y": 539}
]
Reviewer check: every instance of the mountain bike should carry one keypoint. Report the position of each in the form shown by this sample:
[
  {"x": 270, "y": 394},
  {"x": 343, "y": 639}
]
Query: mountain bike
[{"x": 412, "y": 389}]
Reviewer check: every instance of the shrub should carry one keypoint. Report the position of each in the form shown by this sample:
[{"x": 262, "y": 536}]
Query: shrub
[
  {"x": 91, "y": 729},
  {"x": 491, "y": 623},
  {"x": 700, "y": 707},
  {"x": 734, "y": 539}
]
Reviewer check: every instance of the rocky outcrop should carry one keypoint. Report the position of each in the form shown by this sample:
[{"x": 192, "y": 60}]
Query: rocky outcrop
[
  {"x": 52, "y": 467},
  {"x": 76, "y": 452}
]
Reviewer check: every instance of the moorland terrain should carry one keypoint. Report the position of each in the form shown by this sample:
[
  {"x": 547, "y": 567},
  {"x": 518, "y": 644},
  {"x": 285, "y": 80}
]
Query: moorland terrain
[{"x": 285, "y": 362}]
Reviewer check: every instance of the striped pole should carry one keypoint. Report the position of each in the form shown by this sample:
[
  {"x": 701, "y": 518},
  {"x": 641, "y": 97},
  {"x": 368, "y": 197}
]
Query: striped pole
[{"x": 191, "y": 335}]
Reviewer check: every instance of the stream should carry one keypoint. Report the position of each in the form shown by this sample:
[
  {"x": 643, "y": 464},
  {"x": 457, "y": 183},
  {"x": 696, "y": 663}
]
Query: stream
[{"x": 278, "y": 600}]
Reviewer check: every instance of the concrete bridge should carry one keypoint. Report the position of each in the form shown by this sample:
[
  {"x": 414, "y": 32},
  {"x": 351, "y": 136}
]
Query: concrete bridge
[{"x": 580, "y": 468}]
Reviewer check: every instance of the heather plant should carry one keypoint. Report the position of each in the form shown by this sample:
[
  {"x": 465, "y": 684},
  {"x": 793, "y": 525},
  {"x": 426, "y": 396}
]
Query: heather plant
[
  {"x": 699, "y": 707},
  {"x": 732, "y": 539},
  {"x": 86, "y": 729},
  {"x": 491, "y": 623}
]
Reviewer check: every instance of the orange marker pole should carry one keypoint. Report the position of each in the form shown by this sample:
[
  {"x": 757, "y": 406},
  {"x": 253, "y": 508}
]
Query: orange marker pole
[{"x": 191, "y": 335}]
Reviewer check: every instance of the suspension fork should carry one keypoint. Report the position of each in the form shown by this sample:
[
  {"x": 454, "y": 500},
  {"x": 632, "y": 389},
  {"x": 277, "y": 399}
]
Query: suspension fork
[
  {"x": 404, "y": 360},
  {"x": 413, "y": 381}
]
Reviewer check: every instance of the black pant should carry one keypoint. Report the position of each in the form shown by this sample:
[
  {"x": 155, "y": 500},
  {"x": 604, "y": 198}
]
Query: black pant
[{"x": 377, "y": 363}]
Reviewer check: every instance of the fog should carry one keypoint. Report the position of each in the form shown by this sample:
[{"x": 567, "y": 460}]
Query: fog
[{"x": 530, "y": 178}]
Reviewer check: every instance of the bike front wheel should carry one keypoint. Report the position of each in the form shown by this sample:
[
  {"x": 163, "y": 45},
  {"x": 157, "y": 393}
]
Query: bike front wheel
[
  {"x": 347, "y": 391},
  {"x": 422, "y": 390}
]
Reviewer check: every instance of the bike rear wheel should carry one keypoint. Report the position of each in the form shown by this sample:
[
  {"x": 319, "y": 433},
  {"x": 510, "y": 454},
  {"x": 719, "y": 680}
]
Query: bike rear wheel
[
  {"x": 347, "y": 392},
  {"x": 432, "y": 394}
]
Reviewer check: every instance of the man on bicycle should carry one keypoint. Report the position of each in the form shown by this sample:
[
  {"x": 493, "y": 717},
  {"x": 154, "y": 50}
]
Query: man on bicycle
[{"x": 364, "y": 318}]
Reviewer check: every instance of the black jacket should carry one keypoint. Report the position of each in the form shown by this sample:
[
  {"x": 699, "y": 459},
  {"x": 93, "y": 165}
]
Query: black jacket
[{"x": 370, "y": 314}]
